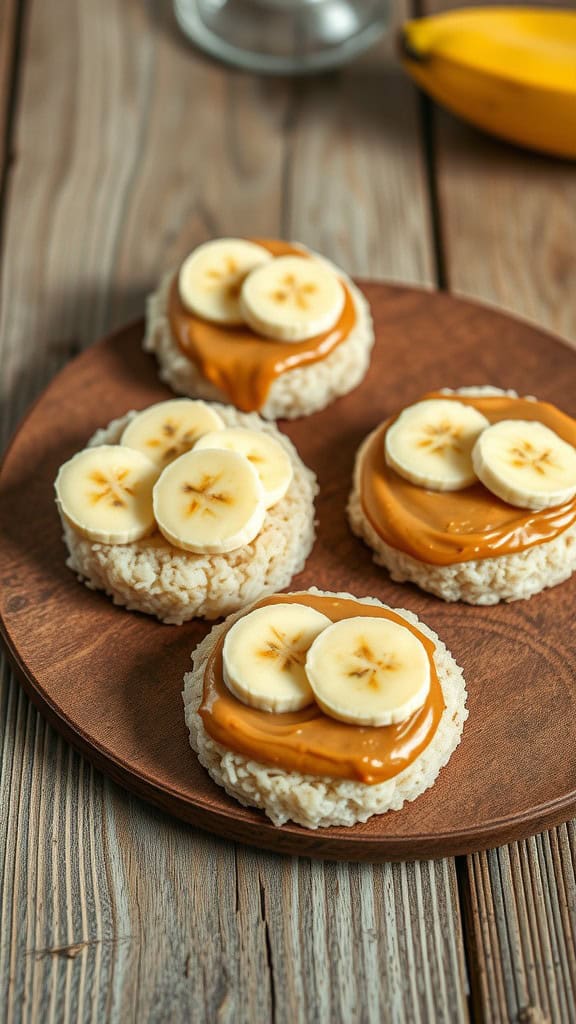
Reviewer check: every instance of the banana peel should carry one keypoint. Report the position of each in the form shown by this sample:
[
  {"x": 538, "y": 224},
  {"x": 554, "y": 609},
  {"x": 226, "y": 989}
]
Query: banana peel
[{"x": 510, "y": 71}]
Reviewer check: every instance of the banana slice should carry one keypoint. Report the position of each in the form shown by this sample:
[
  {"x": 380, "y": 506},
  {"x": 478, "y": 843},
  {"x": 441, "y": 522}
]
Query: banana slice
[
  {"x": 430, "y": 444},
  {"x": 105, "y": 493},
  {"x": 211, "y": 276},
  {"x": 526, "y": 464},
  {"x": 369, "y": 671},
  {"x": 264, "y": 653},
  {"x": 292, "y": 298},
  {"x": 168, "y": 429},
  {"x": 269, "y": 458},
  {"x": 209, "y": 502}
]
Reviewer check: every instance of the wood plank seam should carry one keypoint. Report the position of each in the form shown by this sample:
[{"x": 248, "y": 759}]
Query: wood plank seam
[
  {"x": 469, "y": 950},
  {"x": 427, "y": 115},
  {"x": 13, "y": 30}
]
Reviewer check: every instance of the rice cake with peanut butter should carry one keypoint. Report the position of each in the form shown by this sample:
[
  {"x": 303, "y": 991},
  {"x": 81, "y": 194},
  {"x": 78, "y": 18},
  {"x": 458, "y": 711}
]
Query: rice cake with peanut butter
[
  {"x": 473, "y": 544},
  {"x": 187, "y": 509},
  {"x": 324, "y": 762},
  {"x": 243, "y": 350}
]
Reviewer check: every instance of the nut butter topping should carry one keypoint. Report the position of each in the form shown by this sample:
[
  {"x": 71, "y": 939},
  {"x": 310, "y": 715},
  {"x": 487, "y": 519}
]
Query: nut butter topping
[
  {"x": 444, "y": 528},
  {"x": 308, "y": 741},
  {"x": 236, "y": 359}
]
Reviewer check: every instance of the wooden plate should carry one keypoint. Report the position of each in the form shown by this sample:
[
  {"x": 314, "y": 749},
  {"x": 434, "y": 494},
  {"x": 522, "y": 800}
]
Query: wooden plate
[{"x": 110, "y": 680}]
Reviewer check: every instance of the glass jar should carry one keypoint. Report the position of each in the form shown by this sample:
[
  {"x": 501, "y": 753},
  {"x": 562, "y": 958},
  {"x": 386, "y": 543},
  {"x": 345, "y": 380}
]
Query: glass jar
[{"x": 283, "y": 36}]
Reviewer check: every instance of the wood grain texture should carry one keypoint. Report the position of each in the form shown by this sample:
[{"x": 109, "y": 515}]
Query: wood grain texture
[
  {"x": 99, "y": 682},
  {"x": 362, "y": 129},
  {"x": 522, "y": 907},
  {"x": 111, "y": 910},
  {"x": 507, "y": 224}
]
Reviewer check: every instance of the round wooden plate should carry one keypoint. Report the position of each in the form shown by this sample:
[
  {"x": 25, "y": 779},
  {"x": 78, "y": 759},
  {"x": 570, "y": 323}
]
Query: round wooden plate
[{"x": 110, "y": 680}]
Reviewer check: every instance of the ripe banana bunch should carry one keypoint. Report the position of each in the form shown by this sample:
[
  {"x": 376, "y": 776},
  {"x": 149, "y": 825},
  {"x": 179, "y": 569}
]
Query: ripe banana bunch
[
  {"x": 231, "y": 282},
  {"x": 364, "y": 670},
  {"x": 510, "y": 71},
  {"x": 179, "y": 469},
  {"x": 446, "y": 445}
]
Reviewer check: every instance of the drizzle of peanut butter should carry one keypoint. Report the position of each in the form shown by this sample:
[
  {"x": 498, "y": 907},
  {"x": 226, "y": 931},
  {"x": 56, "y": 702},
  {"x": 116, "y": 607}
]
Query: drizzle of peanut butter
[
  {"x": 236, "y": 359},
  {"x": 447, "y": 527},
  {"x": 308, "y": 741}
]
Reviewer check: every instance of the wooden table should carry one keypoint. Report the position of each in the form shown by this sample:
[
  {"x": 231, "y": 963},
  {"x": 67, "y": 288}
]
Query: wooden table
[{"x": 122, "y": 148}]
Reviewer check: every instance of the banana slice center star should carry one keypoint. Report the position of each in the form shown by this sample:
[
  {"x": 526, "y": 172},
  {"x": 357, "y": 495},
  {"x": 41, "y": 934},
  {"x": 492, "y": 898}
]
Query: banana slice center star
[
  {"x": 112, "y": 489},
  {"x": 284, "y": 652},
  {"x": 228, "y": 277},
  {"x": 371, "y": 669},
  {"x": 204, "y": 499},
  {"x": 294, "y": 292},
  {"x": 173, "y": 445},
  {"x": 526, "y": 456},
  {"x": 440, "y": 438}
]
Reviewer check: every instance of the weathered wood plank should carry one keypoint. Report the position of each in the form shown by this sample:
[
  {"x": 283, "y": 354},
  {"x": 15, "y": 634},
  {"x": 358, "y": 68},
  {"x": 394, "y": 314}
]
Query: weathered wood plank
[
  {"x": 522, "y": 908},
  {"x": 356, "y": 179},
  {"x": 508, "y": 223},
  {"x": 132, "y": 148},
  {"x": 507, "y": 220}
]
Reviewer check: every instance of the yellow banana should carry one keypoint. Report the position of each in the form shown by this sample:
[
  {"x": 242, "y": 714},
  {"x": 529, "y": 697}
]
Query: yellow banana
[{"x": 508, "y": 70}]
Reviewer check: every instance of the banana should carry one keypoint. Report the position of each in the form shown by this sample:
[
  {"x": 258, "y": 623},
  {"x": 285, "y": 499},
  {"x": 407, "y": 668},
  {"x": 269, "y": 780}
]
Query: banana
[
  {"x": 526, "y": 464},
  {"x": 168, "y": 429},
  {"x": 269, "y": 458},
  {"x": 209, "y": 502},
  {"x": 264, "y": 653},
  {"x": 211, "y": 276},
  {"x": 292, "y": 298},
  {"x": 368, "y": 671},
  {"x": 430, "y": 443},
  {"x": 105, "y": 493},
  {"x": 509, "y": 71}
]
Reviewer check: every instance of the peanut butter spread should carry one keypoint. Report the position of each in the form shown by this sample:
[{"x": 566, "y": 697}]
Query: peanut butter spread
[
  {"x": 308, "y": 741},
  {"x": 443, "y": 528},
  {"x": 236, "y": 359}
]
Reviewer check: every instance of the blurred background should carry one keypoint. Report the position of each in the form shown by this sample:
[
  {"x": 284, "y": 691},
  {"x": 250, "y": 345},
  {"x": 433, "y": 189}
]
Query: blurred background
[{"x": 125, "y": 146}]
